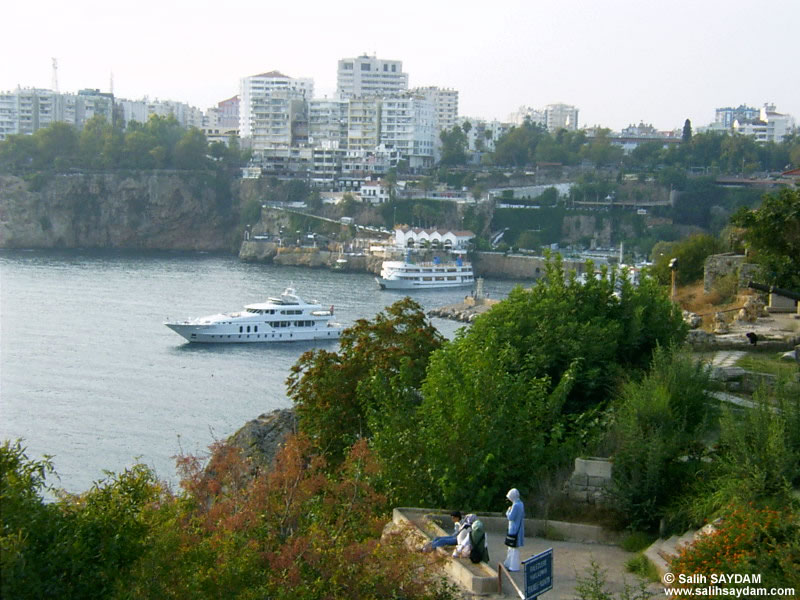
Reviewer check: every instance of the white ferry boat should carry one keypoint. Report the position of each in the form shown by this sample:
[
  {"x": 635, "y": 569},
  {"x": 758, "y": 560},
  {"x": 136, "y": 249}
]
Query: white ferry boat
[
  {"x": 283, "y": 319},
  {"x": 405, "y": 275}
]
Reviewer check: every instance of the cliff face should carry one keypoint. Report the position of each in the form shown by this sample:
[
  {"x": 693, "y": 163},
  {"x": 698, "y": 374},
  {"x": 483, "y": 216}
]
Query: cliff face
[{"x": 149, "y": 210}]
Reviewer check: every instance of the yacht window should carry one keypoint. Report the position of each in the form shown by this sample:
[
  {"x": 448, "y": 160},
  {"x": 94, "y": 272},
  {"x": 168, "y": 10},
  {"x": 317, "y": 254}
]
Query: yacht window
[
  {"x": 255, "y": 328},
  {"x": 240, "y": 329},
  {"x": 248, "y": 329}
]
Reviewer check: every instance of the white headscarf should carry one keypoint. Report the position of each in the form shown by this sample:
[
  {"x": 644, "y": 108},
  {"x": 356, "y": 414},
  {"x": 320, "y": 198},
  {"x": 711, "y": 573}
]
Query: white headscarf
[{"x": 513, "y": 494}]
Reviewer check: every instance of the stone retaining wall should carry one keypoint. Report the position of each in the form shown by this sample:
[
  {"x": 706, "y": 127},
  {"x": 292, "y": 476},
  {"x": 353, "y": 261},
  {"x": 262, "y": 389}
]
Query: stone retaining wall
[{"x": 591, "y": 480}]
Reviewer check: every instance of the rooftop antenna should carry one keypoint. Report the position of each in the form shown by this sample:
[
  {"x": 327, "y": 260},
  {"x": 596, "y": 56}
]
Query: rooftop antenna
[{"x": 55, "y": 75}]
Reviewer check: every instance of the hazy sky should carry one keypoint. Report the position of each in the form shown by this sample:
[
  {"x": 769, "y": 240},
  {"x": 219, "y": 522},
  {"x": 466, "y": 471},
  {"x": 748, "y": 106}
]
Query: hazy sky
[{"x": 618, "y": 61}]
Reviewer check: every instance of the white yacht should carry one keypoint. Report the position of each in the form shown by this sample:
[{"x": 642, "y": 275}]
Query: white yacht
[
  {"x": 405, "y": 275},
  {"x": 284, "y": 319}
]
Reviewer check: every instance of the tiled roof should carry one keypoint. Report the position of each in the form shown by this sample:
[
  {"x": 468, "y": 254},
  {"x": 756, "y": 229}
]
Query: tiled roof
[{"x": 273, "y": 74}]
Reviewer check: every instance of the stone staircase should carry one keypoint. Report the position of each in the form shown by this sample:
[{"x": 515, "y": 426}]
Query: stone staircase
[{"x": 662, "y": 551}]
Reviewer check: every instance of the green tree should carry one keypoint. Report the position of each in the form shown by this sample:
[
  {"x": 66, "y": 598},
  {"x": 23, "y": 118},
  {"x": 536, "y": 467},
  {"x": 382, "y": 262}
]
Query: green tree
[
  {"x": 454, "y": 146},
  {"x": 687, "y": 131},
  {"x": 690, "y": 253},
  {"x": 520, "y": 375},
  {"x": 772, "y": 235},
  {"x": 335, "y": 392},
  {"x": 190, "y": 151}
]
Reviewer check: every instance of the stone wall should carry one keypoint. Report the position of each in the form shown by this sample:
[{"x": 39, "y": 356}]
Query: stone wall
[
  {"x": 500, "y": 265},
  {"x": 720, "y": 265},
  {"x": 591, "y": 480}
]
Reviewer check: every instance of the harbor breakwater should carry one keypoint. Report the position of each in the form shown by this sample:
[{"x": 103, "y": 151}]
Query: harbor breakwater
[{"x": 486, "y": 264}]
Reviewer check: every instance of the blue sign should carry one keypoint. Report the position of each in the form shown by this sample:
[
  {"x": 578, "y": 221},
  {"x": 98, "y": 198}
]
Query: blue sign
[{"x": 538, "y": 574}]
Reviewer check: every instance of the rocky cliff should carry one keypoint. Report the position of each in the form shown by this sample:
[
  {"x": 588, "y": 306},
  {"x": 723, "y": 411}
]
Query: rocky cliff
[{"x": 152, "y": 210}]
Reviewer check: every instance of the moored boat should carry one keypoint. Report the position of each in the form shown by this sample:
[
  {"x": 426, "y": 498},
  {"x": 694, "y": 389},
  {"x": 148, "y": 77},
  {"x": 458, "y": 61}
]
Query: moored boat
[
  {"x": 286, "y": 318},
  {"x": 405, "y": 275}
]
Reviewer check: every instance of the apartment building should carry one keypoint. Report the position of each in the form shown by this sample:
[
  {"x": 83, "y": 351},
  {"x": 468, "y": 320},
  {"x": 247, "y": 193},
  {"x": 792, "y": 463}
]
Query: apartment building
[
  {"x": 561, "y": 116},
  {"x": 770, "y": 126},
  {"x": 363, "y": 123},
  {"x": 141, "y": 110},
  {"x": 369, "y": 76},
  {"x": 724, "y": 117},
  {"x": 408, "y": 124},
  {"x": 26, "y": 110},
  {"x": 260, "y": 116},
  {"x": 327, "y": 121},
  {"x": 445, "y": 102},
  {"x": 528, "y": 113}
]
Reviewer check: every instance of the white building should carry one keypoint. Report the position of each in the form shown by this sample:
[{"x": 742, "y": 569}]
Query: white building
[
  {"x": 369, "y": 76},
  {"x": 445, "y": 102},
  {"x": 407, "y": 123},
  {"x": 482, "y": 135},
  {"x": 258, "y": 116},
  {"x": 141, "y": 110},
  {"x": 26, "y": 110},
  {"x": 527, "y": 113},
  {"x": 771, "y": 126},
  {"x": 375, "y": 192},
  {"x": 327, "y": 121},
  {"x": 561, "y": 116},
  {"x": 363, "y": 123},
  {"x": 406, "y": 237}
]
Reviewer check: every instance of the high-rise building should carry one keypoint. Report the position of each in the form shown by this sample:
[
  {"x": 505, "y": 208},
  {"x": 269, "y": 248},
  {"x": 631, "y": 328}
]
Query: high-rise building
[
  {"x": 408, "y": 124},
  {"x": 269, "y": 104},
  {"x": 561, "y": 116},
  {"x": 363, "y": 123},
  {"x": 26, "y": 110},
  {"x": 369, "y": 76},
  {"x": 327, "y": 121},
  {"x": 445, "y": 102}
]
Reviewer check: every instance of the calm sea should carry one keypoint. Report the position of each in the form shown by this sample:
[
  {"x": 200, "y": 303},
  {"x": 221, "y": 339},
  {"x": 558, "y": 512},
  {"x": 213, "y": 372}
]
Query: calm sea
[{"x": 90, "y": 375}]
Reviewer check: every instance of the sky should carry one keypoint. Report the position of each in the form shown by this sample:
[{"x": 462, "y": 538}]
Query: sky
[{"x": 618, "y": 61}]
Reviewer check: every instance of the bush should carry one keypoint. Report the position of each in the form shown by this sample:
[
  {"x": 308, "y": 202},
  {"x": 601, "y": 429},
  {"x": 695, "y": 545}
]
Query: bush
[
  {"x": 659, "y": 420},
  {"x": 750, "y": 539}
]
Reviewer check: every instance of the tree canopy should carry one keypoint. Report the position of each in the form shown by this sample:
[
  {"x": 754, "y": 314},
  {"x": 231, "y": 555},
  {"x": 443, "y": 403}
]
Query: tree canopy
[
  {"x": 772, "y": 235},
  {"x": 160, "y": 143}
]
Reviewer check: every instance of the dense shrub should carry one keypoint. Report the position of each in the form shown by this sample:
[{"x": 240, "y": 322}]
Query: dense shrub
[{"x": 660, "y": 422}]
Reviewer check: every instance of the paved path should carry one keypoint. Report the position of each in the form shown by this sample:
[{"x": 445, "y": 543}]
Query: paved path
[
  {"x": 727, "y": 358},
  {"x": 571, "y": 560}
]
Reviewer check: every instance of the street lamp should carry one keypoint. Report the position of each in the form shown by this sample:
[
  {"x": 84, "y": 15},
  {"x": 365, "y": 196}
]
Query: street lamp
[{"x": 673, "y": 267}]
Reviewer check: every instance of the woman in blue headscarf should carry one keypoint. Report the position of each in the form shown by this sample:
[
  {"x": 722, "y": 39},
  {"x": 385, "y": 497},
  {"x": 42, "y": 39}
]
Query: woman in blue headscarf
[{"x": 516, "y": 530}]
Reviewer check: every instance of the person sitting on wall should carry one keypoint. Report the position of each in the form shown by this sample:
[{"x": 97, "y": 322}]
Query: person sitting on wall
[{"x": 446, "y": 540}]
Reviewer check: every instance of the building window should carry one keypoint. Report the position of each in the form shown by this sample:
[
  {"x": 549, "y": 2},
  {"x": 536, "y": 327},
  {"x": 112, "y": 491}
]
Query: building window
[{"x": 365, "y": 66}]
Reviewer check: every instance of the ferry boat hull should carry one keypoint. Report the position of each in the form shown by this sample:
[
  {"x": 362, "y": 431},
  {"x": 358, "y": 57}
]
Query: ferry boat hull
[
  {"x": 405, "y": 275},
  {"x": 395, "y": 284}
]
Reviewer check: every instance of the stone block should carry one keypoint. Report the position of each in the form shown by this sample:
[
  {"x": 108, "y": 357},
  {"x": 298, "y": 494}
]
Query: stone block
[
  {"x": 578, "y": 496},
  {"x": 579, "y": 480},
  {"x": 599, "y": 482},
  {"x": 594, "y": 467}
]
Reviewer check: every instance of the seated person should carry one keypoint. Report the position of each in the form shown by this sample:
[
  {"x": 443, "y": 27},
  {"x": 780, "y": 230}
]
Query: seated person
[{"x": 446, "y": 540}]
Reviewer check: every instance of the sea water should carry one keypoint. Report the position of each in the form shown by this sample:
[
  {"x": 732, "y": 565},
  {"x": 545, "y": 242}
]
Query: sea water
[{"x": 90, "y": 375}]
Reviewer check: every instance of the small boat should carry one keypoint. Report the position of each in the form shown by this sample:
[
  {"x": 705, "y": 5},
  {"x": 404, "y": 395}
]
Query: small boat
[
  {"x": 286, "y": 318},
  {"x": 406, "y": 275}
]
